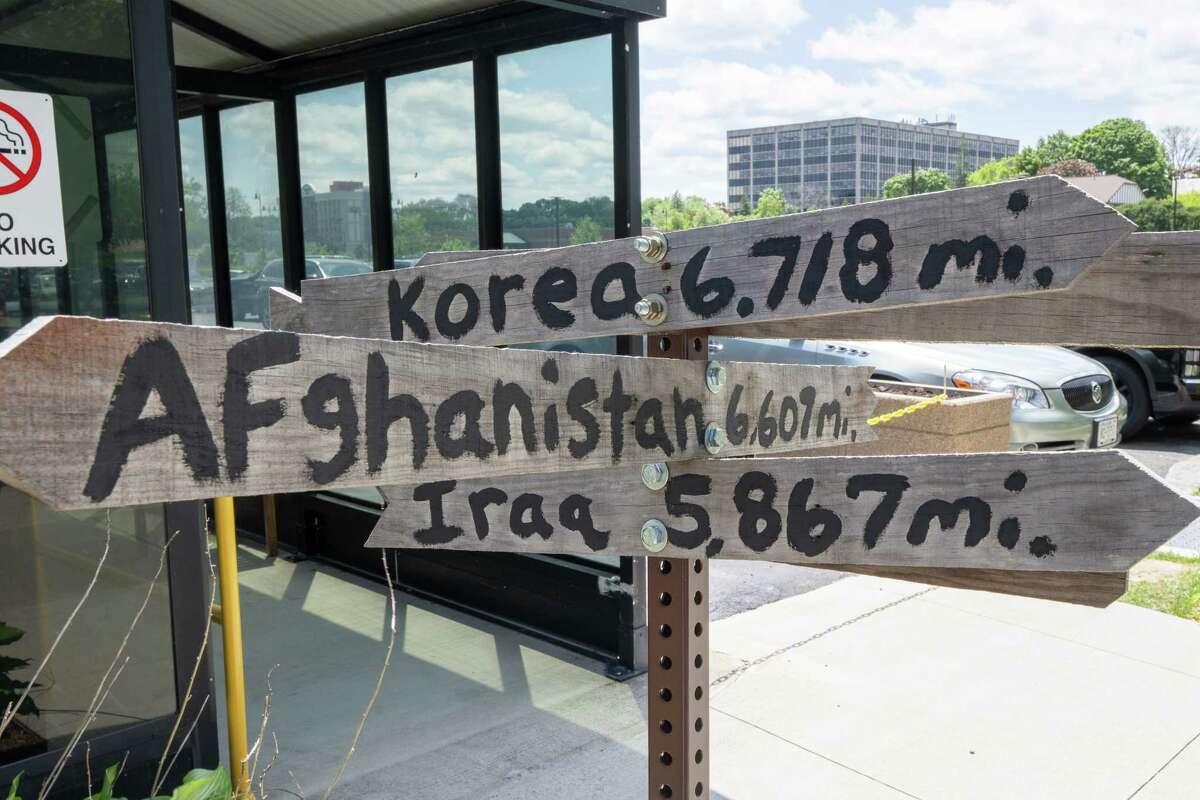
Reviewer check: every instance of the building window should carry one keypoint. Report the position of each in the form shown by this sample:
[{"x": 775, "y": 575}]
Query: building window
[{"x": 431, "y": 139}]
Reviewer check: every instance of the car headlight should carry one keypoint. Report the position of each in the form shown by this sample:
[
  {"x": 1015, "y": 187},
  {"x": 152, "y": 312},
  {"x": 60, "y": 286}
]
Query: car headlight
[{"x": 1025, "y": 394}]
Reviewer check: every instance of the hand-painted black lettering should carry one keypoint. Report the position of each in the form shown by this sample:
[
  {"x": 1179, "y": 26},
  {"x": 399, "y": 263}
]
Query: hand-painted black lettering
[
  {"x": 1014, "y": 262},
  {"x": 550, "y": 427},
  {"x": 933, "y": 268},
  {"x": 714, "y": 547},
  {"x": 384, "y": 409},
  {"x": 555, "y": 285},
  {"x": 1018, "y": 201},
  {"x": 1009, "y": 533},
  {"x": 624, "y": 274},
  {"x": 582, "y": 394},
  {"x": 704, "y": 298},
  {"x": 1044, "y": 276},
  {"x": 831, "y": 410},
  {"x": 650, "y": 413},
  {"x": 679, "y": 487},
  {"x": 789, "y": 248},
  {"x": 814, "y": 274},
  {"x": 343, "y": 418},
  {"x": 803, "y": 522},
  {"x": 239, "y": 415},
  {"x": 154, "y": 367},
  {"x": 736, "y": 424},
  {"x": 506, "y": 397},
  {"x": 438, "y": 531},
  {"x": 400, "y": 309},
  {"x": 892, "y": 487},
  {"x": 451, "y": 329},
  {"x": 575, "y": 514},
  {"x": 979, "y": 519},
  {"x": 879, "y": 254},
  {"x": 767, "y": 427},
  {"x": 617, "y": 404},
  {"x": 478, "y": 502},
  {"x": 497, "y": 303},
  {"x": 550, "y": 371},
  {"x": 526, "y": 518},
  {"x": 468, "y": 405},
  {"x": 1016, "y": 481},
  {"x": 808, "y": 399},
  {"x": 745, "y": 307},
  {"x": 1042, "y": 547},
  {"x": 759, "y": 524},
  {"x": 788, "y": 407},
  {"x": 684, "y": 408}
]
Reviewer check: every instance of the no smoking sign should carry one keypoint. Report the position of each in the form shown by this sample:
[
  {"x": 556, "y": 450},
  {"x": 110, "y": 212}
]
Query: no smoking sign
[{"x": 31, "y": 210}]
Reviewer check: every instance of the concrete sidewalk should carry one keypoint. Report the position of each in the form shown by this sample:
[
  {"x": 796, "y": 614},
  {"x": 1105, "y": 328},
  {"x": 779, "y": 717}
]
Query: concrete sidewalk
[{"x": 865, "y": 688}]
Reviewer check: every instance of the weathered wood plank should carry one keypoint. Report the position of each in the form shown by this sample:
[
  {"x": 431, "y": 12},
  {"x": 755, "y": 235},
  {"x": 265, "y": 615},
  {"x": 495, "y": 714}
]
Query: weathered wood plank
[
  {"x": 107, "y": 412},
  {"x": 1144, "y": 292},
  {"x": 1097, "y": 589},
  {"x": 1020, "y": 237},
  {"x": 1046, "y": 512}
]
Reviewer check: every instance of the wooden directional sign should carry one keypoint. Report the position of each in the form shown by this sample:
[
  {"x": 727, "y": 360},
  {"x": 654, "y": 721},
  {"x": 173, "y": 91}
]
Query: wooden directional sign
[
  {"x": 1020, "y": 237},
  {"x": 1144, "y": 292},
  {"x": 104, "y": 412},
  {"x": 978, "y": 515}
]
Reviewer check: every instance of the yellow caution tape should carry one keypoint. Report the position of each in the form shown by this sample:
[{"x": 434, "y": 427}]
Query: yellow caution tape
[{"x": 900, "y": 412}]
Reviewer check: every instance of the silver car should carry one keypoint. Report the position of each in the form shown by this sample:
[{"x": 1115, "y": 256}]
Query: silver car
[{"x": 1061, "y": 400}]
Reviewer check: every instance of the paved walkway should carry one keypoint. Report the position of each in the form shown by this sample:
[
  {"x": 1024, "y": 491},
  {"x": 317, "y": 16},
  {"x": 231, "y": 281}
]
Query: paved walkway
[
  {"x": 1184, "y": 477},
  {"x": 862, "y": 689}
]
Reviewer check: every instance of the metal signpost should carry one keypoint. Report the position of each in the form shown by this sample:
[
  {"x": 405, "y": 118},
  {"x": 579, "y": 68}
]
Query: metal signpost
[{"x": 529, "y": 451}]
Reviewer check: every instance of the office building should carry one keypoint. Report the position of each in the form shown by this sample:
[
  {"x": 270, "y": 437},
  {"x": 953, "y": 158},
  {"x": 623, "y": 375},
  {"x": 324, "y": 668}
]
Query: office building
[{"x": 844, "y": 161}]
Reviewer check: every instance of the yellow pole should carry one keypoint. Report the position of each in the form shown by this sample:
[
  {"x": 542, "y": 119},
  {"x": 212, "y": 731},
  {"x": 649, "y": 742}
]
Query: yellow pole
[{"x": 231, "y": 635}]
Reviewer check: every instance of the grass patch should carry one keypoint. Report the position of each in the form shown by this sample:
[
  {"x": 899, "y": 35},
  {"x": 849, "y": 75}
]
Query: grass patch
[{"x": 1178, "y": 595}]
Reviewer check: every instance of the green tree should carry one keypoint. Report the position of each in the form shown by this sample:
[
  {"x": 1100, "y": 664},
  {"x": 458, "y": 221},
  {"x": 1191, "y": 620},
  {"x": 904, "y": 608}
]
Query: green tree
[
  {"x": 678, "y": 213},
  {"x": 744, "y": 207},
  {"x": 1154, "y": 214},
  {"x": 927, "y": 180},
  {"x": 770, "y": 204},
  {"x": 1127, "y": 148},
  {"x": 993, "y": 171},
  {"x": 1070, "y": 168},
  {"x": 586, "y": 230}
]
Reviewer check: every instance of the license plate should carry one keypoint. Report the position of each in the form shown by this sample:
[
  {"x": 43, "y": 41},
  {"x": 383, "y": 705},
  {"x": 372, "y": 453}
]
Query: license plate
[{"x": 1104, "y": 432}]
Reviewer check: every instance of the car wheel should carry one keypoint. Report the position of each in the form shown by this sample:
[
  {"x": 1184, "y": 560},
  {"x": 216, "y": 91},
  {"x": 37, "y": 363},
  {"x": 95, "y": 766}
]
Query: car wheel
[{"x": 1132, "y": 387}]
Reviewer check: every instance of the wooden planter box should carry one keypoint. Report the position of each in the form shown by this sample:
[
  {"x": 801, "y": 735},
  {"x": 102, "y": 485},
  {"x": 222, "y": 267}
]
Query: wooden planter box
[{"x": 969, "y": 422}]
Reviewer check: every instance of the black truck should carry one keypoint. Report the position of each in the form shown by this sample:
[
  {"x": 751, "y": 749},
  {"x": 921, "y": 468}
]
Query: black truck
[{"x": 1159, "y": 383}]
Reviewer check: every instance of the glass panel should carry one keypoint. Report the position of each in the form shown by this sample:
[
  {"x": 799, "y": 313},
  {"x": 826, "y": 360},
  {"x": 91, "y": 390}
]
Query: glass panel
[
  {"x": 48, "y": 558},
  {"x": 195, "y": 218},
  {"x": 556, "y": 144},
  {"x": 251, "y": 208},
  {"x": 336, "y": 198},
  {"x": 431, "y": 135}
]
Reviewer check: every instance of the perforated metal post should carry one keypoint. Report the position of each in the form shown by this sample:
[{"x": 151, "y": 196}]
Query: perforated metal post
[{"x": 677, "y": 622}]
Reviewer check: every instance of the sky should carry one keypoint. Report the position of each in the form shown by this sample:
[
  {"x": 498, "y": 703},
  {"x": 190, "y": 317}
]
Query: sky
[{"x": 1016, "y": 68}]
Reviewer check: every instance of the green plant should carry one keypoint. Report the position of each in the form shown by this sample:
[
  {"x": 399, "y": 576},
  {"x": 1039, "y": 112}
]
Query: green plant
[
  {"x": 10, "y": 687},
  {"x": 199, "y": 784},
  {"x": 919, "y": 182}
]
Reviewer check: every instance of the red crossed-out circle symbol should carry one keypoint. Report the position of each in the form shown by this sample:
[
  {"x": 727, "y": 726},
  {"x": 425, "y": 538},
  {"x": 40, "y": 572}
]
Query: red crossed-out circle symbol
[{"x": 21, "y": 140}]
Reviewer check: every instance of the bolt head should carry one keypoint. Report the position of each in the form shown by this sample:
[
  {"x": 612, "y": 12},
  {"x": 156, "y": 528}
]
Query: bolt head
[
  {"x": 642, "y": 244},
  {"x": 714, "y": 438},
  {"x": 654, "y": 536},
  {"x": 714, "y": 376},
  {"x": 651, "y": 309},
  {"x": 652, "y": 247},
  {"x": 655, "y": 476}
]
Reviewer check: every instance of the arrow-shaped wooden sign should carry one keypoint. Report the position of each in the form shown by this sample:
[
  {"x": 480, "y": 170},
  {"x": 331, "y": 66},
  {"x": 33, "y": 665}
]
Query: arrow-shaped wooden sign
[
  {"x": 966, "y": 518},
  {"x": 1020, "y": 237},
  {"x": 101, "y": 413}
]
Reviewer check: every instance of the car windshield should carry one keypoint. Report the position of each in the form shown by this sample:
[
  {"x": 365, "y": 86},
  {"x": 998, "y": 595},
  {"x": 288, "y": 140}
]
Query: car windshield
[{"x": 336, "y": 269}]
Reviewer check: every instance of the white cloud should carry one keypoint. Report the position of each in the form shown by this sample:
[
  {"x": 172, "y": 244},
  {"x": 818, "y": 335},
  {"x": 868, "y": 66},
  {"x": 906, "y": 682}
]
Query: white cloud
[
  {"x": 1146, "y": 57},
  {"x": 705, "y": 26},
  {"x": 688, "y": 109}
]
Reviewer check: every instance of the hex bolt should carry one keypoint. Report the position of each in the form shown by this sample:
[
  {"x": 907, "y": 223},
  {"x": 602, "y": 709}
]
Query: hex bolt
[
  {"x": 655, "y": 476},
  {"x": 714, "y": 376},
  {"x": 714, "y": 438},
  {"x": 651, "y": 309},
  {"x": 654, "y": 535},
  {"x": 652, "y": 247}
]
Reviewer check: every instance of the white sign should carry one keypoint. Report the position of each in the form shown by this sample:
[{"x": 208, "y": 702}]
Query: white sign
[{"x": 32, "y": 233}]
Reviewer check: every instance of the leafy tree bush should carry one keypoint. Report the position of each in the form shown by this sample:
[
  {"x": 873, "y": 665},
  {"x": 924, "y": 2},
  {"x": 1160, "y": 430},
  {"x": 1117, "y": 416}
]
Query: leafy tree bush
[
  {"x": 1127, "y": 148},
  {"x": 1154, "y": 214},
  {"x": 678, "y": 213},
  {"x": 586, "y": 230},
  {"x": 927, "y": 180},
  {"x": 770, "y": 204},
  {"x": 1001, "y": 170},
  {"x": 1070, "y": 168}
]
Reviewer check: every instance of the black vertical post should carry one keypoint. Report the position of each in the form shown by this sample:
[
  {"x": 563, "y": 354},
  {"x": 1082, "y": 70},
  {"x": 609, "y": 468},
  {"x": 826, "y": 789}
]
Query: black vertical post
[
  {"x": 487, "y": 151},
  {"x": 291, "y": 207},
  {"x": 218, "y": 222},
  {"x": 912, "y": 176},
  {"x": 379, "y": 172},
  {"x": 627, "y": 163},
  {"x": 105, "y": 263},
  {"x": 166, "y": 268}
]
